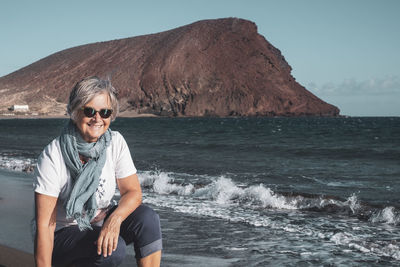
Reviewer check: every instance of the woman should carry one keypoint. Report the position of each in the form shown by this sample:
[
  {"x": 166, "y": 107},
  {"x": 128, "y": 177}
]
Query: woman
[{"x": 75, "y": 180}]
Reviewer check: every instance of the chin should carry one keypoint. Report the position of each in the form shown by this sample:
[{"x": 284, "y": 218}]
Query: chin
[{"x": 92, "y": 136}]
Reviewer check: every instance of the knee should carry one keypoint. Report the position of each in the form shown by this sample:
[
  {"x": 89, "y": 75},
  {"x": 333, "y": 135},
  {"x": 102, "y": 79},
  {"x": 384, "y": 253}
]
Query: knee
[
  {"x": 148, "y": 215},
  {"x": 117, "y": 257},
  {"x": 142, "y": 225},
  {"x": 148, "y": 219}
]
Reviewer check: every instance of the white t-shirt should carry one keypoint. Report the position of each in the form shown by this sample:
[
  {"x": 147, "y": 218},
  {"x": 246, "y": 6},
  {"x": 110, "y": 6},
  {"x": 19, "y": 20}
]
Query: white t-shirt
[{"x": 52, "y": 177}]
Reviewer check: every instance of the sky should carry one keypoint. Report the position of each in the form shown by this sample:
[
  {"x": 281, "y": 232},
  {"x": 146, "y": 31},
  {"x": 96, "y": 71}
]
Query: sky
[{"x": 344, "y": 51}]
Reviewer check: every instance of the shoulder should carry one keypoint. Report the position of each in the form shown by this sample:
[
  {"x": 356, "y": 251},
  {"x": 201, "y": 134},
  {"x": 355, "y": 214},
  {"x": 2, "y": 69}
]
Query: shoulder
[
  {"x": 121, "y": 156},
  {"x": 117, "y": 139},
  {"x": 50, "y": 174},
  {"x": 116, "y": 135},
  {"x": 53, "y": 148},
  {"x": 51, "y": 155},
  {"x": 119, "y": 146},
  {"x": 50, "y": 160}
]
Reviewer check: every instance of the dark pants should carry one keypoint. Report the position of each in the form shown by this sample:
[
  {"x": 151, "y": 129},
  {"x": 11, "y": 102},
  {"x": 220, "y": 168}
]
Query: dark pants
[{"x": 141, "y": 227}]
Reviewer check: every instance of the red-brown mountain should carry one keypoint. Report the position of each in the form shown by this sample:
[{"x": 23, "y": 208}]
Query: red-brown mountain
[{"x": 219, "y": 67}]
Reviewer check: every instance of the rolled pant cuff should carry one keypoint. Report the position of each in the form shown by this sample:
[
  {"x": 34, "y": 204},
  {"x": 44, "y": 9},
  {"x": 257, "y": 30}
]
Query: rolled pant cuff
[{"x": 150, "y": 248}]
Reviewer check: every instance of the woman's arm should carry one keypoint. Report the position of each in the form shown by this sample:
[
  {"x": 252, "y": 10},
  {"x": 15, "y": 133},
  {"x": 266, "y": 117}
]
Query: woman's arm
[
  {"x": 46, "y": 212},
  {"x": 131, "y": 198}
]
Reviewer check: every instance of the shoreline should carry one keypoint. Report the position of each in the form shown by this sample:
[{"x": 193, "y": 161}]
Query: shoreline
[
  {"x": 14, "y": 257},
  {"x": 12, "y": 117}
]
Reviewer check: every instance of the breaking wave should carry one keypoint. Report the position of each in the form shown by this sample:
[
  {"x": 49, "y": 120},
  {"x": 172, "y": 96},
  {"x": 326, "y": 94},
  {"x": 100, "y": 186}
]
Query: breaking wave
[
  {"x": 224, "y": 191},
  {"x": 17, "y": 163}
]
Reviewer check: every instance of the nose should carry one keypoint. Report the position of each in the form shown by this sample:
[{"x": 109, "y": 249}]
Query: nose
[{"x": 97, "y": 117}]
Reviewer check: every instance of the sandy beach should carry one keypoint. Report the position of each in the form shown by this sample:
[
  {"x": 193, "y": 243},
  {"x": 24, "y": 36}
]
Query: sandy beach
[
  {"x": 16, "y": 199},
  {"x": 14, "y": 257}
]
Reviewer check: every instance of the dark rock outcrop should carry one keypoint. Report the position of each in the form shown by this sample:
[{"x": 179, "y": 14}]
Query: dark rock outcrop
[{"x": 217, "y": 67}]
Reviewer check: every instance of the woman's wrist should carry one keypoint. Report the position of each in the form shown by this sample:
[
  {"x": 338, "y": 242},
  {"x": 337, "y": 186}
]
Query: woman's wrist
[
  {"x": 115, "y": 218},
  {"x": 42, "y": 263}
]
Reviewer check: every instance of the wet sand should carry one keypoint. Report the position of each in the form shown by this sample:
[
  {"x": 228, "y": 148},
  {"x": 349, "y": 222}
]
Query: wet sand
[
  {"x": 16, "y": 209},
  {"x": 10, "y": 257}
]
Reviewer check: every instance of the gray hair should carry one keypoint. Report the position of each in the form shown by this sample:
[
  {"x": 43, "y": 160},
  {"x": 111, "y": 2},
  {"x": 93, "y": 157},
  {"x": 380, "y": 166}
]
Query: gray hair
[{"x": 85, "y": 90}]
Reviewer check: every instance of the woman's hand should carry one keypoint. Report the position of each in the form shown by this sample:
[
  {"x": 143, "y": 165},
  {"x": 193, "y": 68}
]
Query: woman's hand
[
  {"x": 131, "y": 198},
  {"x": 108, "y": 238}
]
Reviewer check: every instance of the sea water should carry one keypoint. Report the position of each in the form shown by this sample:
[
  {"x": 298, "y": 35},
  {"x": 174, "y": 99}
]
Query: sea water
[{"x": 257, "y": 191}]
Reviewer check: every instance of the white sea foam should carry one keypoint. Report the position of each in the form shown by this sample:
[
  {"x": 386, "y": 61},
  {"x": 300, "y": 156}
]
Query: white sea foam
[
  {"x": 221, "y": 190},
  {"x": 353, "y": 203},
  {"x": 17, "y": 163},
  {"x": 381, "y": 248},
  {"x": 163, "y": 183},
  {"x": 224, "y": 191},
  {"x": 387, "y": 215},
  {"x": 267, "y": 198}
]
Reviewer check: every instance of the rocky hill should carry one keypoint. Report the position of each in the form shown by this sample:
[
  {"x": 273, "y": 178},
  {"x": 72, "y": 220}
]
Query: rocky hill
[{"x": 219, "y": 67}]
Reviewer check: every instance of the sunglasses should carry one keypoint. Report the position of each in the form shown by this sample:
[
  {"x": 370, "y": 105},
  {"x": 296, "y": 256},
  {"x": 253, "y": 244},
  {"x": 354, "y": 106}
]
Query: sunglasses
[{"x": 91, "y": 112}]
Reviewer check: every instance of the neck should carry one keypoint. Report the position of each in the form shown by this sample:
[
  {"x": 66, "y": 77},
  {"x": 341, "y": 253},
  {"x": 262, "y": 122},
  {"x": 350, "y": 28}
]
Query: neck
[{"x": 83, "y": 159}]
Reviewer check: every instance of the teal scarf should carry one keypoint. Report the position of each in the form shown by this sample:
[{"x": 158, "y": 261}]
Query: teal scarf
[{"x": 81, "y": 203}]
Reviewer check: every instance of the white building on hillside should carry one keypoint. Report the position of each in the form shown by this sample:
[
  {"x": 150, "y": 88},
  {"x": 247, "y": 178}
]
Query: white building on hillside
[{"x": 20, "y": 108}]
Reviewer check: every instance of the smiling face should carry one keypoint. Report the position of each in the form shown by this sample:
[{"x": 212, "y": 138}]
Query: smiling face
[{"x": 92, "y": 128}]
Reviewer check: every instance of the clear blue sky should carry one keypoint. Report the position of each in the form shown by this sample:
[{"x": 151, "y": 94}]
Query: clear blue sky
[{"x": 344, "y": 51}]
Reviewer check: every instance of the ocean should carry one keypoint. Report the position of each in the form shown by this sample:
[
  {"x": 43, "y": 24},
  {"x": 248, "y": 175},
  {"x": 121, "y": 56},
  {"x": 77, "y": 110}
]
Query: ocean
[{"x": 256, "y": 191}]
